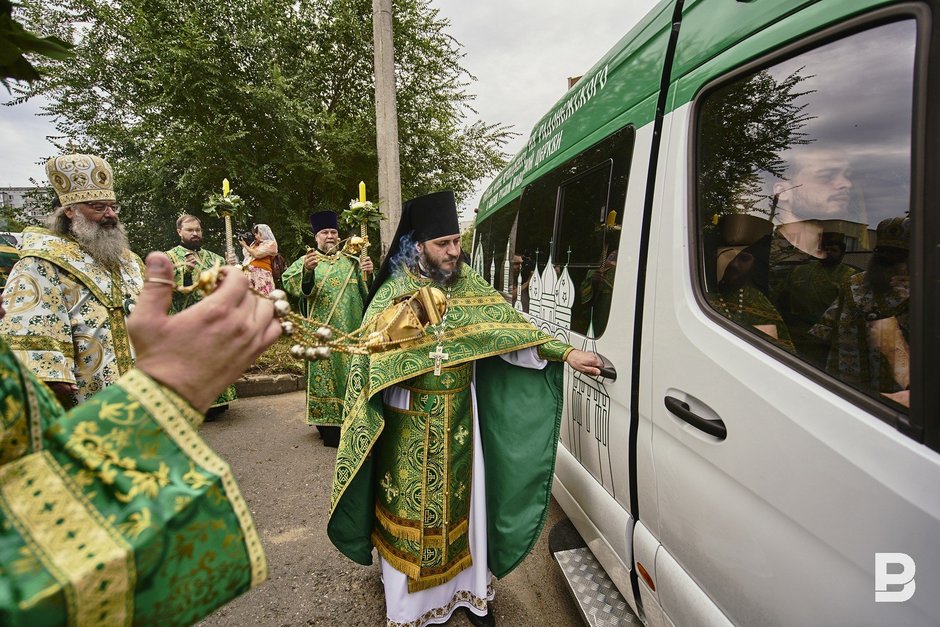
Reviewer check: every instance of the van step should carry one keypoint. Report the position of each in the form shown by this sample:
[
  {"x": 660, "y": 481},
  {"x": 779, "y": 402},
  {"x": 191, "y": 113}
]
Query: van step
[{"x": 600, "y": 602}]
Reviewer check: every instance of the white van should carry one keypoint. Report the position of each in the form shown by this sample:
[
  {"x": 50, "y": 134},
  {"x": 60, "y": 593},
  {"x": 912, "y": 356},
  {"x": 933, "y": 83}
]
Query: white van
[{"x": 739, "y": 208}]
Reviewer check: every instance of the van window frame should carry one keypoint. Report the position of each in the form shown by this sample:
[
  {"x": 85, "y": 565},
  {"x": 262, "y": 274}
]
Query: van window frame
[{"x": 916, "y": 423}]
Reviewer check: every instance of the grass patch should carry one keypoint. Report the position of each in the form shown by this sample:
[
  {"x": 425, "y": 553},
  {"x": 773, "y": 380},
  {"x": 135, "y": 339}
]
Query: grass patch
[{"x": 278, "y": 360}]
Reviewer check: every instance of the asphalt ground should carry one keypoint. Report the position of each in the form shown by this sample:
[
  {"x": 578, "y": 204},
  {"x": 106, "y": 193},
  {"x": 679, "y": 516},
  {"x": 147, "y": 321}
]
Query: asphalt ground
[{"x": 284, "y": 474}]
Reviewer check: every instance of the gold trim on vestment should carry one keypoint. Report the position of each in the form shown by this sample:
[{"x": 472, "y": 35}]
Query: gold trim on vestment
[
  {"x": 120, "y": 340},
  {"x": 389, "y": 522},
  {"x": 362, "y": 399},
  {"x": 430, "y": 581},
  {"x": 413, "y": 532},
  {"x": 445, "y": 502},
  {"x": 165, "y": 407},
  {"x": 413, "y": 572},
  {"x": 92, "y": 563},
  {"x": 65, "y": 371},
  {"x": 39, "y": 343},
  {"x": 79, "y": 276},
  {"x": 457, "y": 362},
  {"x": 33, "y": 420}
]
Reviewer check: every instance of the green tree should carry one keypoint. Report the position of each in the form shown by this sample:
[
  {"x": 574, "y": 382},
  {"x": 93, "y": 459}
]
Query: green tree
[
  {"x": 16, "y": 42},
  {"x": 466, "y": 239},
  {"x": 275, "y": 95},
  {"x": 745, "y": 127}
]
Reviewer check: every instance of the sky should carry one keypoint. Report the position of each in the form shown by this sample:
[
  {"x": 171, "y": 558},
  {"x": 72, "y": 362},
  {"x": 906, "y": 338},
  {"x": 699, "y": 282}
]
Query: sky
[{"x": 521, "y": 53}]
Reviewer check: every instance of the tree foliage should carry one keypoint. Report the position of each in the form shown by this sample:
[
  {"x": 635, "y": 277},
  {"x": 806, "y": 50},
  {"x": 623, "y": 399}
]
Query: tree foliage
[
  {"x": 16, "y": 42},
  {"x": 745, "y": 127},
  {"x": 275, "y": 95}
]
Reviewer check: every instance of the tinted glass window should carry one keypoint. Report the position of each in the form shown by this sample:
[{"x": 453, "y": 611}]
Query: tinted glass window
[
  {"x": 557, "y": 246},
  {"x": 803, "y": 180}
]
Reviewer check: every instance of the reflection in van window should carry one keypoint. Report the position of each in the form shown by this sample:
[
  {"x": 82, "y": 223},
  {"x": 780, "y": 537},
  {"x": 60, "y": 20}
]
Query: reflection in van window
[
  {"x": 553, "y": 253},
  {"x": 803, "y": 181}
]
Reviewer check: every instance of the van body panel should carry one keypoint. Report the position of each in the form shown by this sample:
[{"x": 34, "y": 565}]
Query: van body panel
[
  {"x": 704, "y": 53},
  {"x": 683, "y": 601}
]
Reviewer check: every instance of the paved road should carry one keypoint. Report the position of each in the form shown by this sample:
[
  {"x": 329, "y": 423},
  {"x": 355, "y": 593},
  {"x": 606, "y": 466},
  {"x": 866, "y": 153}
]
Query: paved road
[{"x": 284, "y": 473}]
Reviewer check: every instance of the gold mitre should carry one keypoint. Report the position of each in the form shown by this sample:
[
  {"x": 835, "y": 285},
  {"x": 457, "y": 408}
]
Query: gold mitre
[{"x": 80, "y": 178}]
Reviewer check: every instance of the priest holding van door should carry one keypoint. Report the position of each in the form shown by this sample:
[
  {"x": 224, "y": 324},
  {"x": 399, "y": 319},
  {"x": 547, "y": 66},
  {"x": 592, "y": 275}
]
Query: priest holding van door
[{"x": 429, "y": 469}]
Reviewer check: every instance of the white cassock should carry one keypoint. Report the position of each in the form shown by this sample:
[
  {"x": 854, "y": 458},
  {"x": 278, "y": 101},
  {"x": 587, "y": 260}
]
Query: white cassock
[{"x": 472, "y": 587}]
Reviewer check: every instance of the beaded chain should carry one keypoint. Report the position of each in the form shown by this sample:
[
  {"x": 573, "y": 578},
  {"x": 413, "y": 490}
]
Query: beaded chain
[{"x": 316, "y": 340}]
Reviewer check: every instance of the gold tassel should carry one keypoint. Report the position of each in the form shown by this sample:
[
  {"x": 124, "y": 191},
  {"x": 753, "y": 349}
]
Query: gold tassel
[{"x": 399, "y": 531}]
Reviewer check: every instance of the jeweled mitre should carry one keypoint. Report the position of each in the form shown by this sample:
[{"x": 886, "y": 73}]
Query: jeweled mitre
[{"x": 80, "y": 178}]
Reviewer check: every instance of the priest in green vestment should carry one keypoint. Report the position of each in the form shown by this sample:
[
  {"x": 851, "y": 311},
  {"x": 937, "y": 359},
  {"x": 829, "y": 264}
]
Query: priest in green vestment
[
  {"x": 117, "y": 512},
  {"x": 190, "y": 259},
  {"x": 330, "y": 287},
  {"x": 448, "y": 444}
]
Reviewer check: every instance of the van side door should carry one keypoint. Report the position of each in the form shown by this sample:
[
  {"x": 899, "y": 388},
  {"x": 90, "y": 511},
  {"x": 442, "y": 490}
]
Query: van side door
[{"x": 786, "y": 327}]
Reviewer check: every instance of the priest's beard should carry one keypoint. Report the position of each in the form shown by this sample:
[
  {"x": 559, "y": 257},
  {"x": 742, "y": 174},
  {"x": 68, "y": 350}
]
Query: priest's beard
[
  {"x": 190, "y": 245},
  {"x": 106, "y": 244},
  {"x": 439, "y": 275}
]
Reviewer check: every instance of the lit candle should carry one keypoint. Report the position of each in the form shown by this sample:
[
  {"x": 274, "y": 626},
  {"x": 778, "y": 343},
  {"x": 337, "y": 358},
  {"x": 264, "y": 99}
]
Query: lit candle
[
  {"x": 362, "y": 191},
  {"x": 225, "y": 188},
  {"x": 612, "y": 218}
]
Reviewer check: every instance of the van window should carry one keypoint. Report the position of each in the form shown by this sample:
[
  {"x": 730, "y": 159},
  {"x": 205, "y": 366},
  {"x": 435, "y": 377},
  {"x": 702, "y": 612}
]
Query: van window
[
  {"x": 803, "y": 177},
  {"x": 557, "y": 245}
]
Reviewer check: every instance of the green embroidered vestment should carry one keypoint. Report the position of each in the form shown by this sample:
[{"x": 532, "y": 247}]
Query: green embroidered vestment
[
  {"x": 334, "y": 294},
  {"x": 402, "y": 477},
  {"x": 205, "y": 260},
  {"x": 116, "y": 513}
]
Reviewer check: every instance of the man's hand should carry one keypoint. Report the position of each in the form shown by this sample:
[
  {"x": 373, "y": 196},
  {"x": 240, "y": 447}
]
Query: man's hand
[
  {"x": 230, "y": 259},
  {"x": 63, "y": 391},
  {"x": 204, "y": 348},
  {"x": 367, "y": 264},
  {"x": 310, "y": 260},
  {"x": 583, "y": 361},
  {"x": 190, "y": 260}
]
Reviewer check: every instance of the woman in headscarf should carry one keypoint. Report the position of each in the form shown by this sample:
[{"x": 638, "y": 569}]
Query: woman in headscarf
[{"x": 258, "y": 257}]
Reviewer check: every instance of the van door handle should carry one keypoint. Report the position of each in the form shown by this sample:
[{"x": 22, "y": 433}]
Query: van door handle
[
  {"x": 607, "y": 370},
  {"x": 681, "y": 410}
]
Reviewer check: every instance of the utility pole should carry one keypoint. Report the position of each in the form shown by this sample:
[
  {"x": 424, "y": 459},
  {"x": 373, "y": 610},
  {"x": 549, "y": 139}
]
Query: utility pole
[{"x": 386, "y": 120}]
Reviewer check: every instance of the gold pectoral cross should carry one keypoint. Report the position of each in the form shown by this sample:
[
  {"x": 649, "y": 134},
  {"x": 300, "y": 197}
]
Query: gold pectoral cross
[{"x": 438, "y": 355}]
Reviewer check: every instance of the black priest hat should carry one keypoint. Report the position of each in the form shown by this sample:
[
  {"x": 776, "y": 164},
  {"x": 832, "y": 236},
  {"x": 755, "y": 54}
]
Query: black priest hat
[
  {"x": 423, "y": 218},
  {"x": 323, "y": 220}
]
